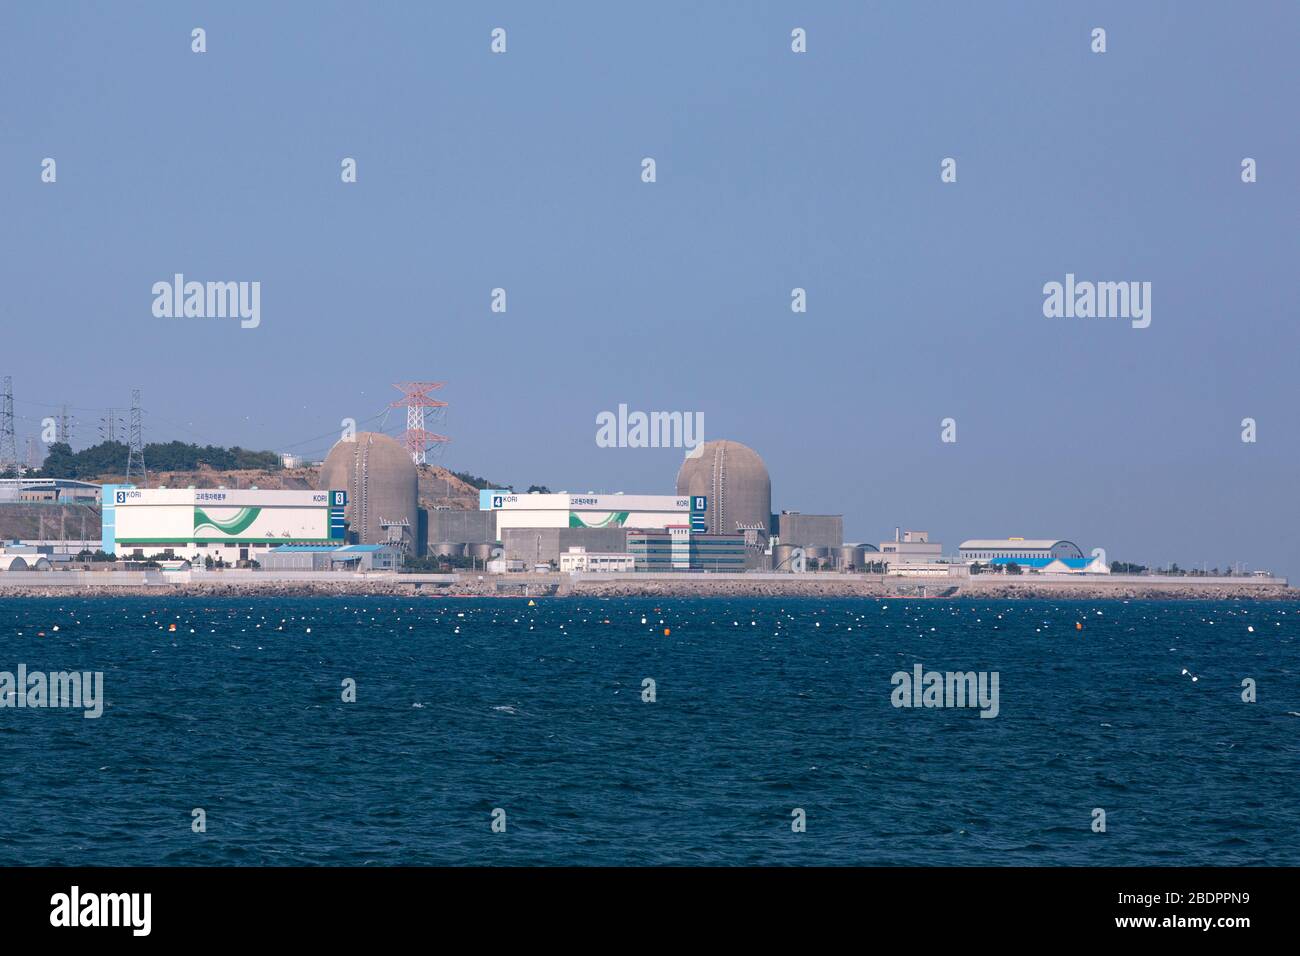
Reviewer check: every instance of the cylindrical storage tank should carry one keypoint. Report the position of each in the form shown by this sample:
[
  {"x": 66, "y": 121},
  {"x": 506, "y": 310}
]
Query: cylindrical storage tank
[
  {"x": 813, "y": 554},
  {"x": 734, "y": 480},
  {"x": 381, "y": 481},
  {"x": 479, "y": 551},
  {"x": 850, "y": 554},
  {"x": 781, "y": 557},
  {"x": 447, "y": 549}
]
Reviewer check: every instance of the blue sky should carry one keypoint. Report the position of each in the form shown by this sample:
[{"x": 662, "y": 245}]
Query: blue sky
[{"x": 775, "y": 170}]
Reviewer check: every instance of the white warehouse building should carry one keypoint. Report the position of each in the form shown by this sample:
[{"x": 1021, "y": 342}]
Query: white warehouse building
[
  {"x": 1019, "y": 549},
  {"x": 230, "y": 524},
  {"x": 1044, "y": 555},
  {"x": 589, "y": 511}
]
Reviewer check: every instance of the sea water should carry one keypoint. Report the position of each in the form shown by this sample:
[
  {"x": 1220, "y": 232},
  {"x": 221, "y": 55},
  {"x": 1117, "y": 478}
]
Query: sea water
[{"x": 425, "y": 730}]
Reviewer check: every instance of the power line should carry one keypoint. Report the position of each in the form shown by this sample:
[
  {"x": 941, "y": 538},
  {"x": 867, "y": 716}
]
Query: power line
[
  {"x": 111, "y": 427},
  {"x": 63, "y": 405},
  {"x": 332, "y": 434}
]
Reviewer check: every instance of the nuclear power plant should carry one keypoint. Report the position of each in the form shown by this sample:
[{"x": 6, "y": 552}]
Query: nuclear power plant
[
  {"x": 365, "y": 513},
  {"x": 719, "y": 519},
  {"x": 383, "y": 490},
  {"x": 735, "y": 481}
]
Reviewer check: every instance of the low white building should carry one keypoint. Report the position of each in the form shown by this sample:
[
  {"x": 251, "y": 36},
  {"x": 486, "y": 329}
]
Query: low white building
[
  {"x": 909, "y": 547},
  {"x": 348, "y": 557},
  {"x": 1019, "y": 549},
  {"x": 23, "y": 562},
  {"x": 1033, "y": 555},
  {"x": 928, "y": 569},
  {"x": 580, "y": 559}
]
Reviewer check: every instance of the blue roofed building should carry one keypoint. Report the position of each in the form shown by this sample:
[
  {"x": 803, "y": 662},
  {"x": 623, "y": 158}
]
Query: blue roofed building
[{"x": 1043, "y": 555}]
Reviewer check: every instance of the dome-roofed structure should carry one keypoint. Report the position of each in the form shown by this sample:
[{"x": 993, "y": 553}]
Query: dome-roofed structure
[
  {"x": 736, "y": 483},
  {"x": 382, "y": 486}
]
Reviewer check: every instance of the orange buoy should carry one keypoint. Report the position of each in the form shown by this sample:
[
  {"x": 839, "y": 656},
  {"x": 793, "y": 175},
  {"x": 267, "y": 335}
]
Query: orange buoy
[{"x": 667, "y": 631}]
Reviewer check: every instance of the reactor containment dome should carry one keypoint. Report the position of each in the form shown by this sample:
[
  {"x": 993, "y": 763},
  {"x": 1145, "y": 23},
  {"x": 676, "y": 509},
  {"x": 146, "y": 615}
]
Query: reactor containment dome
[
  {"x": 737, "y": 485},
  {"x": 382, "y": 486}
]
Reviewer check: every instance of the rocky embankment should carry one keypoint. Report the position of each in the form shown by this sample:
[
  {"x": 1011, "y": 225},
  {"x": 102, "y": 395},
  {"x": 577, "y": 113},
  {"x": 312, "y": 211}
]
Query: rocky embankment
[
  {"x": 802, "y": 586},
  {"x": 1134, "y": 592},
  {"x": 810, "y": 585},
  {"x": 350, "y": 587},
  {"x": 874, "y": 587}
]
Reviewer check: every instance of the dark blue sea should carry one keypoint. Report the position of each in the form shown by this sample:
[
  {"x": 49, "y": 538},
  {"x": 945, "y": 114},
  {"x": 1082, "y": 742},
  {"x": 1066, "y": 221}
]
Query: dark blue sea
[{"x": 763, "y": 707}]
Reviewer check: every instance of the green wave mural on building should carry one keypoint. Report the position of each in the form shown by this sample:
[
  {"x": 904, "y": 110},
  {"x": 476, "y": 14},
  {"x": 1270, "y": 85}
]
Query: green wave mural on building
[
  {"x": 240, "y": 523},
  {"x": 613, "y": 520}
]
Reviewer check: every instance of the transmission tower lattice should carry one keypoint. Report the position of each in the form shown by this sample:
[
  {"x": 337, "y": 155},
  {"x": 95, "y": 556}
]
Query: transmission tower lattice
[
  {"x": 66, "y": 425},
  {"x": 135, "y": 449},
  {"x": 110, "y": 426},
  {"x": 415, "y": 396},
  {"x": 8, "y": 441}
]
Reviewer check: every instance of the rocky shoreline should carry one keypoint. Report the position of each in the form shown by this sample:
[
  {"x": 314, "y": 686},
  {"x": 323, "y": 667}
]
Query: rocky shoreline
[
  {"x": 1127, "y": 592},
  {"x": 872, "y": 589},
  {"x": 350, "y": 588},
  {"x": 802, "y": 586}
]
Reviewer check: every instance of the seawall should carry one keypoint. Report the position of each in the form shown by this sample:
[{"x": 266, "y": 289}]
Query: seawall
[{"x": 325, "y": 583}]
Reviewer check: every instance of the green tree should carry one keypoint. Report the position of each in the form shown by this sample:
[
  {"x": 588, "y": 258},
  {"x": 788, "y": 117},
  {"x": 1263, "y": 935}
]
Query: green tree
[
  {"x": 110, "y": 458},
  {"x": 60, "y": 462}
]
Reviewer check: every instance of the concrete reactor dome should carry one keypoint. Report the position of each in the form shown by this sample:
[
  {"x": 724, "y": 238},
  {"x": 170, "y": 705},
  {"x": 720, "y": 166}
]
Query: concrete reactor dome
[
  {"x": 380, "y": 479},
  {"x": 736, "y": 483}
]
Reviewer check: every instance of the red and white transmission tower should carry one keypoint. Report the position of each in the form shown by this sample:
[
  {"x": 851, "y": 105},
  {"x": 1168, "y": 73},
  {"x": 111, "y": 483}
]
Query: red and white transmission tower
[{"x": 415, "y": 396}]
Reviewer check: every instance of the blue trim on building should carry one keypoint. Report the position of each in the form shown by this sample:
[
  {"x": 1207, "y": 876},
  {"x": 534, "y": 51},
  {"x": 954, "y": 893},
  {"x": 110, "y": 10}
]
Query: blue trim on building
[{"x": 1077, "y": 563}]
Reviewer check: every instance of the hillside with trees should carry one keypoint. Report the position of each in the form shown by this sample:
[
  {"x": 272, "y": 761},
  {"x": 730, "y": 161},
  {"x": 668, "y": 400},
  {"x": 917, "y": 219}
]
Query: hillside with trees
[
  {"x": 176, "y": 464},
  {"x": 110, "y": 458}
]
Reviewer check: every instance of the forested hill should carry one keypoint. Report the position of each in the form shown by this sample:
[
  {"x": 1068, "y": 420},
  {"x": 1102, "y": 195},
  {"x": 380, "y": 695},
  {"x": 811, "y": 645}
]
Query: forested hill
[{"x": 110, "y": 458}]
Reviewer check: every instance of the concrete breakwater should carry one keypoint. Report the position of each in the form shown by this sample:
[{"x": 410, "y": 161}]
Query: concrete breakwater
[
  {"x": 324, "y": 584},
  {"x": 1160, "y": 591},
  {"x": 861, "y": 586}
]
